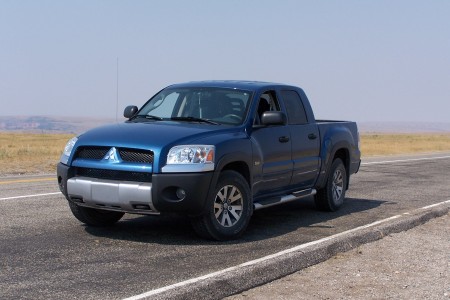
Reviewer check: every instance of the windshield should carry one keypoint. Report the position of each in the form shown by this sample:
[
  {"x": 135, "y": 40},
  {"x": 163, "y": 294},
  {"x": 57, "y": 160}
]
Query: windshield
[{"x": 219, "y": 105}]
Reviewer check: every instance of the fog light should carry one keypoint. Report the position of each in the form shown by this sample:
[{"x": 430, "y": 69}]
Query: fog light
[{"x": 181, "y": 194}]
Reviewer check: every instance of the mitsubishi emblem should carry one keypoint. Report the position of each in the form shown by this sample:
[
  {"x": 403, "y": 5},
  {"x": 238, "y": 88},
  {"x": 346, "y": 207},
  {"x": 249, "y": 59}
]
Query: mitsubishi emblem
[{"x": 112, "y": 156}]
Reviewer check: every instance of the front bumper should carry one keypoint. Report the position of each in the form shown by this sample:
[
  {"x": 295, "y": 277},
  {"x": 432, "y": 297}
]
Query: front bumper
[
  {"x": 184, "y": 193},
  {"x": 111, "y": 194}
]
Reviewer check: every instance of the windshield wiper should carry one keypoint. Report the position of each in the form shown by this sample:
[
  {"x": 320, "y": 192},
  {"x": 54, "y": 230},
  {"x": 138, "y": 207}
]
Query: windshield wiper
[
  {"x": 147, "y": 117},
  {"x": 194, "y": 119}
]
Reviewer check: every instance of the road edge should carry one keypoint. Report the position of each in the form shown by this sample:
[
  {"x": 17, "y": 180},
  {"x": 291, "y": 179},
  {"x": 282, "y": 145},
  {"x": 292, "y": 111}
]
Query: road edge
[{"x": 261, "y": 271}]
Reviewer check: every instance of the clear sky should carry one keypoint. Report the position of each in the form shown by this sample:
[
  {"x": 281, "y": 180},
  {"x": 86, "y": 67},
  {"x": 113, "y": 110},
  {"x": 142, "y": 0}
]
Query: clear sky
[{"x": 356, "y": 60}]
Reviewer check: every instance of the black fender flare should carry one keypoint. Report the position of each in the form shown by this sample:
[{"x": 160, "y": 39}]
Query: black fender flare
[{"x": 226, "y": 160}]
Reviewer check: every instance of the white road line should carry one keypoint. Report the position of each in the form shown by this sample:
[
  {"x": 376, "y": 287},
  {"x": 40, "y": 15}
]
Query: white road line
[
  {"x": 403, "y": 160},
  {"x": 29, "y": 196},
  {"x": 268, "y": 257},
  {"x": 434, "y": 205}
]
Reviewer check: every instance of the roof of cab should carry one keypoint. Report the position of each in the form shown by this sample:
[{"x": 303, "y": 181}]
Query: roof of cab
[{"x": 238, "y": 84}]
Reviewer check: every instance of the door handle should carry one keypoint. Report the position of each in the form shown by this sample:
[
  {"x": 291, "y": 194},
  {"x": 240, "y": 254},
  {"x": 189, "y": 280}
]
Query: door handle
[
  {"x": 283, "y": 139},
  {"x": 312, "y": 136}
]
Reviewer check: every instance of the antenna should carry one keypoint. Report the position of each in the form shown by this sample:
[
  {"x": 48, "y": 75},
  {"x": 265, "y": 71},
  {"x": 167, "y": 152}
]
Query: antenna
[{"x": 117, "y": 92}]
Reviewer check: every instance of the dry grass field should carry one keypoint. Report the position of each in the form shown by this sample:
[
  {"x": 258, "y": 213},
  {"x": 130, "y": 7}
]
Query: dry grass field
[
  {"x": 391, "y": 144},
  {"x": 25, "y": 153}
]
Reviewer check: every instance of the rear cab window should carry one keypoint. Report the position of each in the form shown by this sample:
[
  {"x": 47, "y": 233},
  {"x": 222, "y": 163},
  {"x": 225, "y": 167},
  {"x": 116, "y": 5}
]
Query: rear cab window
[{"x": 294, "y": 106}]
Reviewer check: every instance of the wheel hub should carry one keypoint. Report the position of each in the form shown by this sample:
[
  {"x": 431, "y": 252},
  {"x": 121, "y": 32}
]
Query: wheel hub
[
  {"x": 338, "y": 185},
  {"x": 228, "y": 206}
]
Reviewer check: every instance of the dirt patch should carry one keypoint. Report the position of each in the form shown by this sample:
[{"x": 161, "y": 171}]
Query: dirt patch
[{"x": 414, "y": 264}]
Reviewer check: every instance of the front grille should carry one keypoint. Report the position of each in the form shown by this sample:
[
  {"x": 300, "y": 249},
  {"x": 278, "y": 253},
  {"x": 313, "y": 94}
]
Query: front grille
[
  {"x": 92, "y": 152},
  {"x": 126, "y": 154},
  {"x": 136, "y": 155},
  {"x": 114, "y": 174}
]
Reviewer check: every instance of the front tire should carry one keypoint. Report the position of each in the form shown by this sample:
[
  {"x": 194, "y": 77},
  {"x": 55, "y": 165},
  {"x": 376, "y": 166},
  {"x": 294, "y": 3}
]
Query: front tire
[
  {"x": 331, "y": 197},
  {"x": 95, "y": 217},
  {"x": 228, "y": 210}
]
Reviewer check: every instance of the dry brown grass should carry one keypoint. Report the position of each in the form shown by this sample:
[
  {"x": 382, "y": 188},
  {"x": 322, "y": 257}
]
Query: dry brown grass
[
  {"x": 390, "y": 144},
  {"x": 25, "y": 153}
]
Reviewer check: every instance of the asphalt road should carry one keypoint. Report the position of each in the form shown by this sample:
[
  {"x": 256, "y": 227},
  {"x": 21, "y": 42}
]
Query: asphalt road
[{"x": 46, "y": 253}]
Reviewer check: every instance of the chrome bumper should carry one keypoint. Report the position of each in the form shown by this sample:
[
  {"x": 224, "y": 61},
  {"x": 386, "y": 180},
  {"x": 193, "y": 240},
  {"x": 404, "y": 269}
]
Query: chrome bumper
[{"x": 124, "y": 196}]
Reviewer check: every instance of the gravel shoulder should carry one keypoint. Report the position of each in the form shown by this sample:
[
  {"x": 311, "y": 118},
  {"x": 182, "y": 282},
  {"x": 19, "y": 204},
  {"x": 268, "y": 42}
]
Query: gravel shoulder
[{"x": 413, "y": 264}]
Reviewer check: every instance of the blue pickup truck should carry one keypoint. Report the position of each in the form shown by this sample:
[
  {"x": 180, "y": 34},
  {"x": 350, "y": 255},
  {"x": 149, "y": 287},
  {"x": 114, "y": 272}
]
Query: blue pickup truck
[{"x": 212, "y": 150}]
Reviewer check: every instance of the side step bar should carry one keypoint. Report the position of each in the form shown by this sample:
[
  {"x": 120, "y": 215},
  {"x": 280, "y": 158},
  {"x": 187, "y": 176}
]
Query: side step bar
[{"x": 284, "y": 199}]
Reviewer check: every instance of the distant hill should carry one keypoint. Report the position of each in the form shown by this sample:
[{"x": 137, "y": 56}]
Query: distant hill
[
  {"x": 75, "y": 125},
  {"x": 50, "y": 124}
]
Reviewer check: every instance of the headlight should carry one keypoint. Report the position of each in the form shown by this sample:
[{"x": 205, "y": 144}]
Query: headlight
[
  {"x": 195, "y": 154},
  {"x": 190, "y": 158},
  {"x": 68, "y": 150}
]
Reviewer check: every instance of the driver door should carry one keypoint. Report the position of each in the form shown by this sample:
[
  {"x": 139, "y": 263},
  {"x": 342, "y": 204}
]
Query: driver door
[{"x": 272, "y": 151}]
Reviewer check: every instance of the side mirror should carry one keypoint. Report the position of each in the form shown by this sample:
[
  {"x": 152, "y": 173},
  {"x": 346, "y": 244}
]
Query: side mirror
[
  {"x": 273, "y": 118},
  {"x": 130, "y": 111}
]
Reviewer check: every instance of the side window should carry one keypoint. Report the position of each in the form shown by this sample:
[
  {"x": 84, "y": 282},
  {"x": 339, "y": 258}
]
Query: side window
[
  {"x": 267, "y": 102},
  {"x": 294, "y": 107}
]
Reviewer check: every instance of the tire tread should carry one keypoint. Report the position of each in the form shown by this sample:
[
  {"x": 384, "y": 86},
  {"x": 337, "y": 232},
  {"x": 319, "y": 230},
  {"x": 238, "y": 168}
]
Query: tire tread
[
  {"x": 95, "y": 217},
  {"x": 204, "y": 225},
  {"x": 324, "y": 199}
]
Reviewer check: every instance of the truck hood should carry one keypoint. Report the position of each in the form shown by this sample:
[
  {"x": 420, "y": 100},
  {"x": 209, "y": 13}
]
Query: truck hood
[
  {"x": 157, "y": 136},
  {"x": 153, "y": 136}
]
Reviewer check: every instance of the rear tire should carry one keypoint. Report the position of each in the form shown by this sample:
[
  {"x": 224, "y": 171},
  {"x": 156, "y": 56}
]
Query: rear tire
[
  {"x": 95, "y": 217},
  {"x": 331, "y": 197},
  {"x": 228, "y": 210}
]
